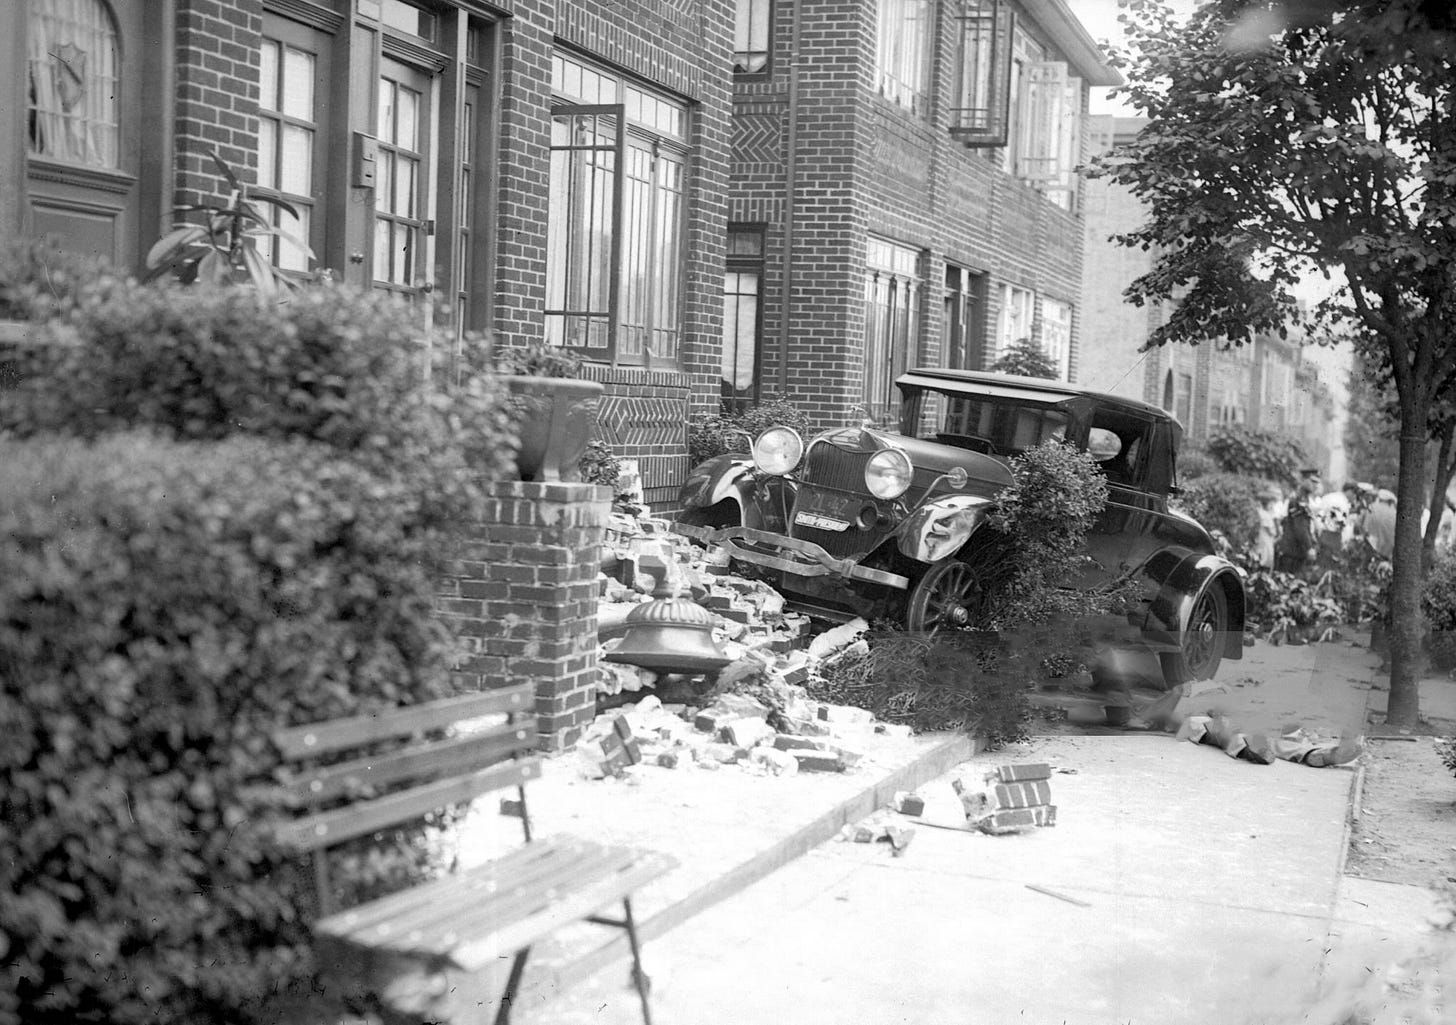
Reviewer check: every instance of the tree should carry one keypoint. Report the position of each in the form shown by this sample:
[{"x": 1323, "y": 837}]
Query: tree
[
  {"x": 1372, "y": 431},
  {"x": 1024, "y": 357},
  {"x": 1285, "y": 140}
]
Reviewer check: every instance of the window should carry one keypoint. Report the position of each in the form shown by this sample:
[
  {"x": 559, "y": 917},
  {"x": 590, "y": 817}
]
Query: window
[
  {"x": 904, "y": 38},
  {"x": 982, "y": 70},
  {"x": 614, "y": 225},
  {"x": 290, "y": 78},
  {"x": 73, "y": 70},
  {"x": 406, "y": 17},
  {"x": 401, "y": 189},
  {"x": 892, "y": 323},
  {"x": 1051, "y": 131},
  {"x": 1056, "y": 335},
  {"x": 750, "y": 36},
  {"x": 742, "y": 286},
  {"x": 962, "y": 326},
  {"x": 1013, "y": 320}
]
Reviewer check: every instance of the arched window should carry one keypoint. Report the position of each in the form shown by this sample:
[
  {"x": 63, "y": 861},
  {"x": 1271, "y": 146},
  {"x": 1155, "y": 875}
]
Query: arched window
[{"x": 73, "y": 82}]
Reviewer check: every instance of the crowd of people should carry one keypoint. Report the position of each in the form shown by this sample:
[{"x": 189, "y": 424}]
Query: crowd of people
[{"x": 1307, "y": 530}]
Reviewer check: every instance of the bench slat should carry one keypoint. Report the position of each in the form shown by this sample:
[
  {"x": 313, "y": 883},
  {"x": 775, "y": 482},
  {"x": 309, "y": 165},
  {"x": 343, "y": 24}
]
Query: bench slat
[
  {"x": 332, "y": 827},
  {"x": 323, "y": 738},
  {"x": 422, "y": 761},
  {"x": 477, "y": 954},
  {"x": 402, "y": 920}
]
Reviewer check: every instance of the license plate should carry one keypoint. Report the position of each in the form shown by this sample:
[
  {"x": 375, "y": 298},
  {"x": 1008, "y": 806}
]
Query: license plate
[{"x": 808, "y": 519}]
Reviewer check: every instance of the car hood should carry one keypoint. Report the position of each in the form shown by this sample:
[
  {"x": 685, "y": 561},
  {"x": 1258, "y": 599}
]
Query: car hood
[{"x": 988, "y": 474}]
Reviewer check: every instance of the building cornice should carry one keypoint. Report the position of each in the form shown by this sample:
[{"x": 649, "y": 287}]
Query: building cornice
[{"x": 1070, "y": 36}]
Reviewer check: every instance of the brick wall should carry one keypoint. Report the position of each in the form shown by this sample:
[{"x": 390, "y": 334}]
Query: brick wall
[
  {"x": 217, "y": 93},
  {"x": 523, "y": 598}
]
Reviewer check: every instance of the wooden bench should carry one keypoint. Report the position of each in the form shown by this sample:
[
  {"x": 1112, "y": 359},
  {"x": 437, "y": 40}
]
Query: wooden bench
[{"x": 468, "y": 921}]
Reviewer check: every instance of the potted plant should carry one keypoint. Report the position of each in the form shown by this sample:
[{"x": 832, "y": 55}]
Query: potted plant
[{"x": 557, "y": 412}]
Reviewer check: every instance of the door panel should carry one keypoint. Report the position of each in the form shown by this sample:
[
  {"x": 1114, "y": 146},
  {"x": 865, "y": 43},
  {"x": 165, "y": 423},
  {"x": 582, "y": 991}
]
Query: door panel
[{"x": 402, "y": 194}]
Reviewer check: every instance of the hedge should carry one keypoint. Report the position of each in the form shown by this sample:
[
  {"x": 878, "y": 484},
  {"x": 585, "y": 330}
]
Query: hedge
[
  {"x": 220, "y": 516},
  {"x": 1228, "y": 503}
]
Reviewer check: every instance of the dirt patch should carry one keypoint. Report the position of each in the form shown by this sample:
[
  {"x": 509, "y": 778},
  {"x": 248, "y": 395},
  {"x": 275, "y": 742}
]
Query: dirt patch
[{"x": 1404, "y": 827}]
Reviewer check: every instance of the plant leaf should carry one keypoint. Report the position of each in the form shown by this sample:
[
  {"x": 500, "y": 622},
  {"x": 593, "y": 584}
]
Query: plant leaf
[
  {"x": 227, "y": 172},
  {"x": 260, "y": 271},
  {"x": 173, "y": 243}
]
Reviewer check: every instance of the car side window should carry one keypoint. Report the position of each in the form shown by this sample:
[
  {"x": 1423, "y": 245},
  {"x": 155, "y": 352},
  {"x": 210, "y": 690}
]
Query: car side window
[{"x": 1118, "y": 444}]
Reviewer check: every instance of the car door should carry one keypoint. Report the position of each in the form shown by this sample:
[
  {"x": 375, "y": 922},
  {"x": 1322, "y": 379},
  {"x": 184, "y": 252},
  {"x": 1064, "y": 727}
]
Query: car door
[{"x": 1121, "y": 539}]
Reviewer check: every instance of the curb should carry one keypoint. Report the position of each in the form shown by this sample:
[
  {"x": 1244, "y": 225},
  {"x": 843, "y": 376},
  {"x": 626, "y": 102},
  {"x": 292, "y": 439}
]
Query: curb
[{"x": 932, "y": 763}]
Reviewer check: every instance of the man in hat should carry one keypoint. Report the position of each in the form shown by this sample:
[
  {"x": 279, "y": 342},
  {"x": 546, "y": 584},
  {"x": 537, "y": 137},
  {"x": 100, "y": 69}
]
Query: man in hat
[{"x": 1296, "y": 549}]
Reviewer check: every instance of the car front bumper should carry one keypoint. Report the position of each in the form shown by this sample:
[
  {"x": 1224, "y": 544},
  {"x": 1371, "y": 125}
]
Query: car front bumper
[{"x": 787, "y": 554}]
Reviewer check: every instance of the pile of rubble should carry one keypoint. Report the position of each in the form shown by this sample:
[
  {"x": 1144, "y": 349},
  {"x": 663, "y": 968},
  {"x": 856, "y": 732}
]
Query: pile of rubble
[{"x": 781, "y": 734}]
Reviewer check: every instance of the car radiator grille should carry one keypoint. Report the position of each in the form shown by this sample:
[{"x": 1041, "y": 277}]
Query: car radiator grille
[{"x": 830, "y": 476}]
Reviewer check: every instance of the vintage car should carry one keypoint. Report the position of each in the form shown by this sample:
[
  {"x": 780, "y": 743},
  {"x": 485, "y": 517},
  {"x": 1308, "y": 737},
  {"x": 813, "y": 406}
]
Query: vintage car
[{"x": 887, "y": 523}]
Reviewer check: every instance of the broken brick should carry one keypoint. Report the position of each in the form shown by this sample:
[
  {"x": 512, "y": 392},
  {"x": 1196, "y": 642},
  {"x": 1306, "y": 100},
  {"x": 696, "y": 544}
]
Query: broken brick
[
  {"x": 867, "y": 834},
  {"x": 1022, "y": 795},
  {"x": 1021, "y": 773},
  {"x": 746, "y": 732},
  {"x": 667, "y": 759},
  {"x": 909, "y": 804},
  {"x": 512, "y": 806},
  {"x": 899, "y": 838},
  {"x": 817, "y": 761},
  {"x": 1016, "y": 819},
  {"x": 789, "y": 741}
]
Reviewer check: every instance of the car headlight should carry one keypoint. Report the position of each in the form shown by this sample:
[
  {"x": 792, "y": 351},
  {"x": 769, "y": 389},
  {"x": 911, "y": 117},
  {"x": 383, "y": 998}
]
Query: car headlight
[
  {"x": 887, "y": 474},
  {"x": 778, "y": 450}
]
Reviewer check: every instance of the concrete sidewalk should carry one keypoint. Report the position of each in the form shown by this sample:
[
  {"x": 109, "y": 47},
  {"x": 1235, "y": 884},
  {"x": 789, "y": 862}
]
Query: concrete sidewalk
[{"x": 1185, "y": 886}]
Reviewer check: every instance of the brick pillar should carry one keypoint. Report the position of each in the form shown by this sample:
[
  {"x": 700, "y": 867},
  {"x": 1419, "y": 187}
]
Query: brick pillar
[{"x": 523, "y": 598}]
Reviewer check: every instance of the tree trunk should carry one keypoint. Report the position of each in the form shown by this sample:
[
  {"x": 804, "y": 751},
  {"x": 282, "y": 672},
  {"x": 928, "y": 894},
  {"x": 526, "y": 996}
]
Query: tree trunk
[{"x": 1404, "y": 708}]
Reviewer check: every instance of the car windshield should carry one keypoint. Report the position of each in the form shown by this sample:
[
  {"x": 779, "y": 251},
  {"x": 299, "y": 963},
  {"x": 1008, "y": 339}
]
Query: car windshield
[{"x": 1000, "y": 427}]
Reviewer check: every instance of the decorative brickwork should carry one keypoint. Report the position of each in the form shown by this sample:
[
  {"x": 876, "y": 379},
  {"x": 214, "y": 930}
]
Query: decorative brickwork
[{"x": 523, "y": 598}]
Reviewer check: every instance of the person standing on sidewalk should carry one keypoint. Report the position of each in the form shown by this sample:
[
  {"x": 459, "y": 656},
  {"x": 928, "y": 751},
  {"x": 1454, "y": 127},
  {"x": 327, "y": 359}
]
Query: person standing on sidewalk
[{"x": 1297, "y": 544}]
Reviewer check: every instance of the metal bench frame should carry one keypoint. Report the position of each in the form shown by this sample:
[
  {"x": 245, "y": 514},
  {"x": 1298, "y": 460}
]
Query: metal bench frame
[{"x": 354, "y": 776}]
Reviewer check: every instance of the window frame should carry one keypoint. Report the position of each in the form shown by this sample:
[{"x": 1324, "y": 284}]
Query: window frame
[
  {"x": 745, "y": 10},
  {"x": 1058, "y": 350},
  {"x": 733, "y": 399},
  {"x": 657, "y": 124},
  {"x": 93, "y": 88},
  {"x": 892, "y": 69},
  {"x": 894, "y": 287},
  {"x": 982, "y": 86},
  {"x": 1011, "y": 297}
]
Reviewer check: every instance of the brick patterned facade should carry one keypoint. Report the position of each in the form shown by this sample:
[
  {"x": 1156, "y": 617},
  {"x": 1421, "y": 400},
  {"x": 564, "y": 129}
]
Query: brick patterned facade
[
  {"x": 860, "y": 166},
  {"x": 523, "y": 598}
]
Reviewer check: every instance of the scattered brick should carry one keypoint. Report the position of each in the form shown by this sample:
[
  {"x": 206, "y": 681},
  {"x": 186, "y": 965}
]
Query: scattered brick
[
  {"x": 1018, "y": 819},
  {"x": 1020, "y": 773},
  {"x": 817, "y": 761}
]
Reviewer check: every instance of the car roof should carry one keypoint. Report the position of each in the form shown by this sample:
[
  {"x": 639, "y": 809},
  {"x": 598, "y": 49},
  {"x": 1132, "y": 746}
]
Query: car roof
[{"x": 1028, "y": 389}]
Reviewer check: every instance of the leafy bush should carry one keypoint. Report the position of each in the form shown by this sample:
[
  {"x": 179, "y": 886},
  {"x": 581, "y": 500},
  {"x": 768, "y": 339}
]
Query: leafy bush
[
  {"x": 38, "y": 278},
  {"x": 1281, "y": 605},
  {"x": 1194, "y": 463},
  {"x": 717, "y": 433},
  {"x": 1228, "y": 503},
  {"x": 1025, "y": 358},
  {"x": 263, "y": 553},
  {"x": 956, "y": 682},
  {"x": 1438, "y": 603},
  {"x": 1255, "y": 453},
  {"x": 166, "y": 607},
  {"x": 1055, "y": 496},
  {"x": 536, "y": 358},
  {"x": 338, "y": 365}
]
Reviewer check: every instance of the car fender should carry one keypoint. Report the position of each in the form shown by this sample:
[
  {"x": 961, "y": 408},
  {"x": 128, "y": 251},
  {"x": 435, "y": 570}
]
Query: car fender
[
  {"x": 1182, "y": 577},
  {"x": 723, "y": 477},
  {"x": 940, "y": 528}
]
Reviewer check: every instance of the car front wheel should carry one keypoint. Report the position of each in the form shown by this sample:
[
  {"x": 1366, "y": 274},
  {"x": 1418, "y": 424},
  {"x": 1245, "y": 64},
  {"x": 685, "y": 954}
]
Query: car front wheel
[
  {"x": 948, "y": 596},
  {"x": 1202, "y": 643}
]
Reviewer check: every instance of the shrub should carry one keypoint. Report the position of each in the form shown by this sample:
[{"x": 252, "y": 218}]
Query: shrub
[
  {"x": 713, "y": 435},
  {"x": 338, "y": 365},
  {"x": 1227, "y": 503},
  {"x": 166, "y": 607},
  {"x": 1255, "y": 453},
  {"x": 38, "y": 278},
  {"x": 264, "y": 554},
  {"x": 536, "y": 358},
  {"x": 1438, "y": 603},
  {"x": 1194, "y": 463},
  {"x": 956, "y": 682},
  {"x": 1025, "y": 358}
]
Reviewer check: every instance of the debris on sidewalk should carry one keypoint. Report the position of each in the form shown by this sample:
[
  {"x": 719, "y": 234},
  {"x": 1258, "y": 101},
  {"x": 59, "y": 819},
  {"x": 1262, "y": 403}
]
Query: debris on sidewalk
[
  {"x": 1011, "y": 798},
  {"x": 908, "y": 803},
  {"x": 1058, "y": 896}
]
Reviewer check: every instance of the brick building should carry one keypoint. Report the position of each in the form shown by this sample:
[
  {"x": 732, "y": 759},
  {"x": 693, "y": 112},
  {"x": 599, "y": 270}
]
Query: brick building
[
  {"x": 902, "y": 192},
  {"x": 706, "y": 198},
  {"x": 528, "y": 166}
]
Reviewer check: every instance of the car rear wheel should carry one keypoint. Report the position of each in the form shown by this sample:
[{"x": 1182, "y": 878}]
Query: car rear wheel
[
  {"x": 1202, "y": 643},
  {"x": 949, "y": 595}
]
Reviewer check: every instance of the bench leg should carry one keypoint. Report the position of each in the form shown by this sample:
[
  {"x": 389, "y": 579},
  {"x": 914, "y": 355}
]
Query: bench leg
[
  {"x": 513, "y": 983},
  {"x": 639, "y": 977}
]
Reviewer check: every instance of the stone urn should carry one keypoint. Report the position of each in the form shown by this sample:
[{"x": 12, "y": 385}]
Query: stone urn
[{"x": 555, "y": 417}]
